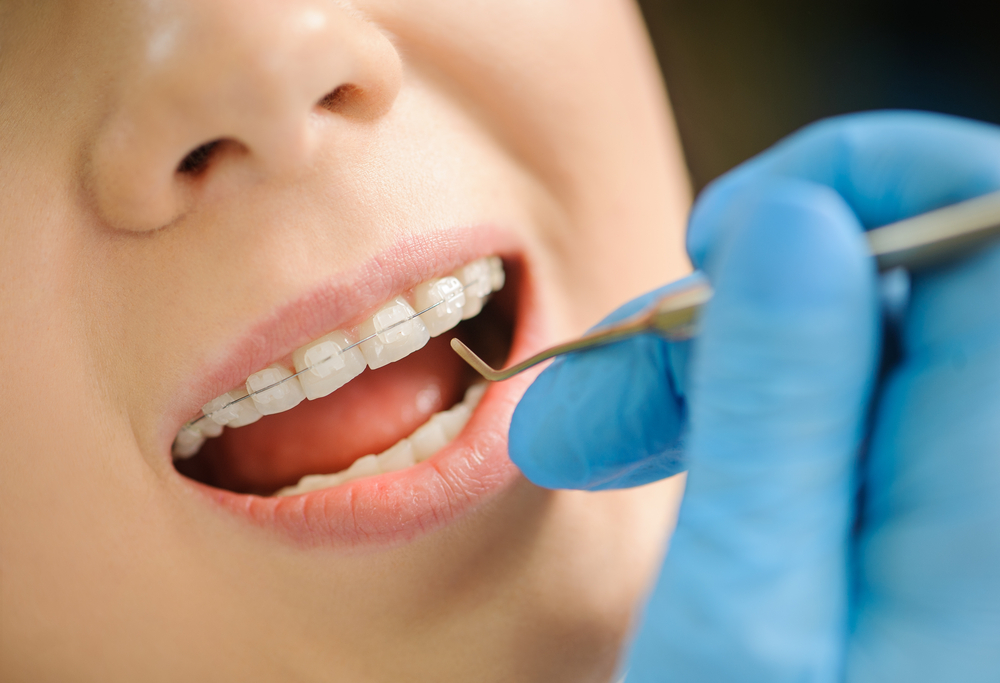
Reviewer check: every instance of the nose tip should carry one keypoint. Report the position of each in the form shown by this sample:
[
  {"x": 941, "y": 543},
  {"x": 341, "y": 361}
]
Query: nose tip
[{"x": 237, "y": 81}]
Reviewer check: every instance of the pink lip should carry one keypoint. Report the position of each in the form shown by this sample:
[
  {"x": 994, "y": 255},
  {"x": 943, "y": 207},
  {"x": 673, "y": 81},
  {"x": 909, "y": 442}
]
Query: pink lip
[{"x": 395, "y": 507}]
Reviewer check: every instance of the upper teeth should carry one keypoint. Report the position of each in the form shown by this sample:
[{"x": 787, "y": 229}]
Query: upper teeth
[
  {"x": 327, "y": 364},
  {"x": 396, "y": 330}
]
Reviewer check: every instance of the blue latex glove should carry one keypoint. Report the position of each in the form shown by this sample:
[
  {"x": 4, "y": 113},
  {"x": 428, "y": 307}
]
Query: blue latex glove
[{"x": 835, "y": 525}]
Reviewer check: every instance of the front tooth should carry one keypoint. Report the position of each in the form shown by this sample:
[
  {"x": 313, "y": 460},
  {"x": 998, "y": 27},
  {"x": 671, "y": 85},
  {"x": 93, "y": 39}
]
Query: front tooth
[
  {"x": 224, "y": 412},
  {"x": 445, "y": 315},
  {"x": 277, "y": 399},
  {"x": 396, "y": 458},
  {"x": 477, "y": 280},
  {"x": 395, "y": 333},
  {"x": 329, "y": 366},
  {"x": 428, "y": 440},
  {"x": 362, "y": 467}
]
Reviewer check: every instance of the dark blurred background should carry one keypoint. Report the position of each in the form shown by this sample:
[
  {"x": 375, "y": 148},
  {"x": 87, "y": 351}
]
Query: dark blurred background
[{"x": 743, "y": 74}]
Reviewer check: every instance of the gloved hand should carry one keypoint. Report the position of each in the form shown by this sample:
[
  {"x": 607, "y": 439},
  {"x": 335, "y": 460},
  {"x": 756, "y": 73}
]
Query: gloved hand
[{"x": 836, "y": 524}]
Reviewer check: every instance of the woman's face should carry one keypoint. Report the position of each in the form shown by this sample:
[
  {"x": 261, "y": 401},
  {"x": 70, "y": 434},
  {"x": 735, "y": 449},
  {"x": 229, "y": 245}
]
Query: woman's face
[{"x": 194, "y": 190}]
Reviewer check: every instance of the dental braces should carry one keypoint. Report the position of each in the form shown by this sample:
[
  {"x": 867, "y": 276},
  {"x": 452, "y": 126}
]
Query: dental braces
[{"x": 450, "y": 298}]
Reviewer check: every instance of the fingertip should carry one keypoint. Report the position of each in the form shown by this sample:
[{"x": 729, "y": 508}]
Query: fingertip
[
  {"x": 538, "y": 435},
  {"x": 597, "y": 417},
  {"x": 798, "y": 246}
]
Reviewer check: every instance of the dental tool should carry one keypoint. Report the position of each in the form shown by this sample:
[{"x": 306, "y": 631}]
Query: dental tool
[{"x": 916, "y": 242}]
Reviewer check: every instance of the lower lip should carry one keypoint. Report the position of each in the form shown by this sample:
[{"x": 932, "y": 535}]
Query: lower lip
[{"x": 398, "y": 507}]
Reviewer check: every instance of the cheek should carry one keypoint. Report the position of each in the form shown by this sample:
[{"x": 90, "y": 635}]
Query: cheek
[{"x": 571, "y": 93}]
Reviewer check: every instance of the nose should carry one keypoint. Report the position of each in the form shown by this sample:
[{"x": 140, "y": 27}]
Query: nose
[{"x": 218, "y": 84}]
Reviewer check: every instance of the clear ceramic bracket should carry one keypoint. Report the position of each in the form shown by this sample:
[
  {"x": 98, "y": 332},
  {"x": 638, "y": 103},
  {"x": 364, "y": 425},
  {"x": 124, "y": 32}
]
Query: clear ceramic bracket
[{"x": 192, "y": 424}]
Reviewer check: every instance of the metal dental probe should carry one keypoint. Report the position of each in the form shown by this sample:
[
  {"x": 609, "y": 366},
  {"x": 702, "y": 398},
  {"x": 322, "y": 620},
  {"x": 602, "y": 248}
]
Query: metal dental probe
[{"x": 922, "y": 240}]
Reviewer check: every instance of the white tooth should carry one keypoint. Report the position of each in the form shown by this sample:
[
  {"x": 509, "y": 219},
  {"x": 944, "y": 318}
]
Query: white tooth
[
  {"x": 497, "y": 275},
  {"x": 362, "y": 467},
  {"x": 445, "y": 315},
  {"x": 476, "y": 278},
  {"x": 396, "y": 458},
  {"x": 428, "y": 440},
  {"x": 209, "y": 429},
  {"x": 474, "y": 394},
  {"x": 247, "y": 411},
  {"x": 453, "y": 421},
  {"x": 236, "y": 414},
  {"x": 330, "y": 367},
  {"x": 311, "y": 482},
  {"x": 397, "y": 334},
  {"x": 187, "y": 442},
  {"x": 279, "y": 398}
]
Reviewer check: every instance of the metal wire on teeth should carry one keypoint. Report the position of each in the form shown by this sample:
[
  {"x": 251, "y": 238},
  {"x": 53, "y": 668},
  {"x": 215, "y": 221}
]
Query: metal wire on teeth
[{"x": 344, "y": 350}]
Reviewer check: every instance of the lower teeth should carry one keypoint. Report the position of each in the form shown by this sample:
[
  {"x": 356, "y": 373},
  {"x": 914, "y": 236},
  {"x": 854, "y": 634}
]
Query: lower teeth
[{"x": 427, "y": 440}]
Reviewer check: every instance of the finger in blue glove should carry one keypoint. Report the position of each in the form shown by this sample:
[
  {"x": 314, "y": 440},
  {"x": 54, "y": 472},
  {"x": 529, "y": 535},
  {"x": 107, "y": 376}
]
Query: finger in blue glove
[
  {"x": 608, "y": 418},
  {"x": 925, "y": 605},
  {"x": 780, "y": 381}
]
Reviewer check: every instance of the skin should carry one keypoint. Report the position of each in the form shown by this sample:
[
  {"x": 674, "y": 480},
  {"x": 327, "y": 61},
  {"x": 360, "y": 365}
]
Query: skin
[{"x": 117, "y": 273}]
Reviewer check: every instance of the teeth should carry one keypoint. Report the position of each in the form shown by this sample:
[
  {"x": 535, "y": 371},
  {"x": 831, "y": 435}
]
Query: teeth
[
  {"x": 427, "y": 440},
  {"x": 191, "y": 437},
  {"x": 209, "y": 429},
  {"x": 362, "y": 467},
  {"x": 330, "y": 367},
  {"x": 474, "y": 394},
  {"x": 497, "y": 275},
  {"x": 395, "y": 333},
  {"x": 325, "y": 365},
  {"x": 316, "y": 482},
  {"x": 477, "y": 279},
  {"x": 446, "y": 314},
  {"x": 187, "y": 442},
  {"x": 453, "y": 421},
  {"x": 398, "y": 457},
  {"x": 274, "y": 399},
  {"x": 225, "y": 413}
]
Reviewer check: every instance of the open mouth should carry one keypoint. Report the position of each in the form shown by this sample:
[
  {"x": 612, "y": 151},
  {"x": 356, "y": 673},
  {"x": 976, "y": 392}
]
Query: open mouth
[{"x": 375, "y": 398}]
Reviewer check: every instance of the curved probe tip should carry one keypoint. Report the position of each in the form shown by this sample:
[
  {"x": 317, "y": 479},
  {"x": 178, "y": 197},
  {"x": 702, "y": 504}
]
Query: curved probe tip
[{"x": 475, "y": 361}]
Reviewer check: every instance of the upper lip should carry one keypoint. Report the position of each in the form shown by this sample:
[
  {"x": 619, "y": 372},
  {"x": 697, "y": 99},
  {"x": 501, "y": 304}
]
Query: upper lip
[{"x": 339, "y": 300}]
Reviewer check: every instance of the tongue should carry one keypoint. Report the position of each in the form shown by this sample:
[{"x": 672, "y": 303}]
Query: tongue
[{"x": 369, "y": 414}]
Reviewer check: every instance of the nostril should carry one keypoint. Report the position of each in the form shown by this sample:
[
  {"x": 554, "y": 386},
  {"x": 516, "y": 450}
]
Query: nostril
[
  {"x": 197, "y": 159},
  {"x": 346, "y": 100},
  {"x": 338, "y": 97}
]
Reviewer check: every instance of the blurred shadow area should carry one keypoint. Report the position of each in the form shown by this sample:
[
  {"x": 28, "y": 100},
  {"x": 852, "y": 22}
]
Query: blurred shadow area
[{"x": 743, "y": 74}]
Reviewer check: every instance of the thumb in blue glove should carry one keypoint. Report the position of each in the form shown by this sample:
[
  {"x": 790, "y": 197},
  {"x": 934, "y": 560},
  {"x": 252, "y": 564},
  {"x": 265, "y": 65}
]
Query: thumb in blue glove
[{"x": 610, "y": 418}]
